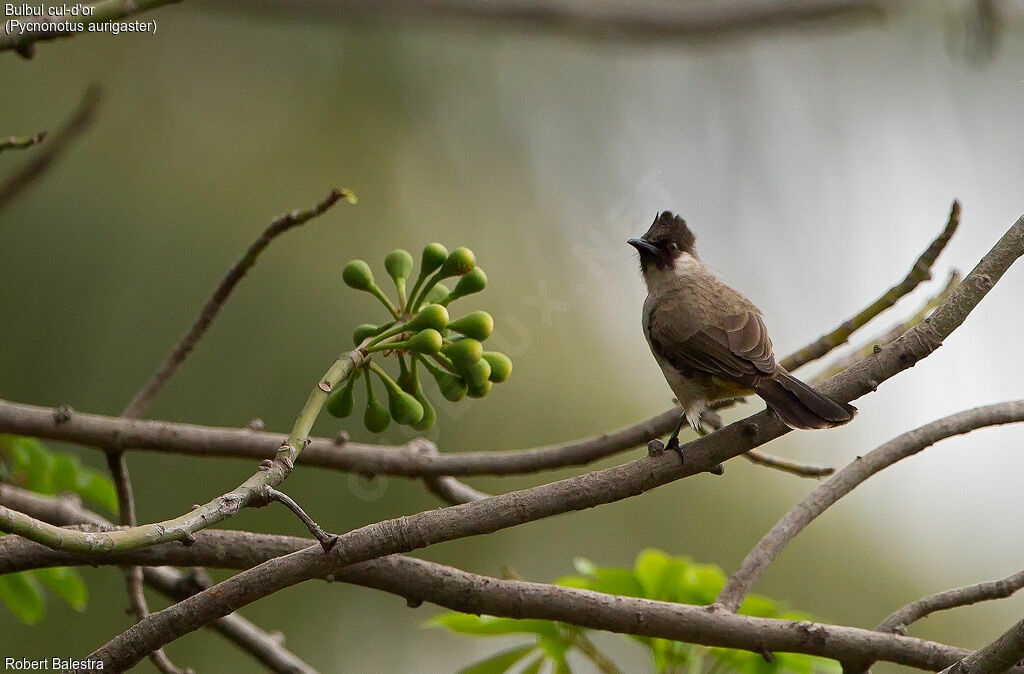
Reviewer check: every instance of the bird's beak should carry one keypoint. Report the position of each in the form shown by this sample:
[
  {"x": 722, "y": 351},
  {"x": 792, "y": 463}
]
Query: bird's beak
[{"x": 643, "y": 247}]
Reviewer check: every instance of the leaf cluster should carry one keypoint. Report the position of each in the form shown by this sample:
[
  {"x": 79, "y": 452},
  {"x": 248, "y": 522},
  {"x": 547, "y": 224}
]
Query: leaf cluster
[{"x": 654, "y": 575}]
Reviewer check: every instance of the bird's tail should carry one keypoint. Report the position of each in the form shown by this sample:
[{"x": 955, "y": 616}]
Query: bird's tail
[{"x": 800, "y": 406}]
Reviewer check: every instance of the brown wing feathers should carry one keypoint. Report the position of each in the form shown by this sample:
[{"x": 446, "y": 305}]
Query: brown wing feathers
[{"x": 740, "y": 351}]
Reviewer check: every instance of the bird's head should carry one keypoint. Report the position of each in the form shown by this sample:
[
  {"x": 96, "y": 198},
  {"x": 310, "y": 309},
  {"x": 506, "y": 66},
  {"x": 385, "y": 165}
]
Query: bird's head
[{"x": 667, "y": 244}]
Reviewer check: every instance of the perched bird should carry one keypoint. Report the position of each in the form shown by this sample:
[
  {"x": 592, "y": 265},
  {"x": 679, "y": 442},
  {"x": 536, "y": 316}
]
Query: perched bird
[{"x": 711, "y": 341}]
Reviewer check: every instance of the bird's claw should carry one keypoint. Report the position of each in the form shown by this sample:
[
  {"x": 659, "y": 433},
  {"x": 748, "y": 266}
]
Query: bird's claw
[{"x": 674, "y": 446}]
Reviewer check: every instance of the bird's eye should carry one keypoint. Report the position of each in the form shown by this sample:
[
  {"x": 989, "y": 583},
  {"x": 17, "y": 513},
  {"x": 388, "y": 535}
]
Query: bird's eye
[{"x": 672, "y": 246}]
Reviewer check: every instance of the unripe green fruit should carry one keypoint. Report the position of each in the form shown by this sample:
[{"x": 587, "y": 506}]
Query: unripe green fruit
[
  {"x": 363, "y": 332},
  {"x": 376, "y": 418},
  {"x": 434, "y": 256},
  {"x": 425, "y": 341},
  {"x": 477, "y": 374},
  {"x": 429, "y": 415},
  {"x": 341, "y": 401},
  {"x": 460, "y": 261},
  {"x": 501, "y": 366},
  {"x": 398, "y": 264},
  {"x": 437, "y": 295},
  {"x": 357, "y": 274},
  {"x": 405, "y": 409},
  {"x": 470, "y": 283},
  {"x": 452, "y": 388},
  {"x": 431, "y": 316},
  {"x": 480, "y": 391},
  {"x": 464, "y": 352},
  {"x": 478, "y": 325}
]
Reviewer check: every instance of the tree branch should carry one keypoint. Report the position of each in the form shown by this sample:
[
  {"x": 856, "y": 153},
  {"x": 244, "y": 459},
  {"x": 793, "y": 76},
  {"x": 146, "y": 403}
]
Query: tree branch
[
  {"x": 458, "y": 590},
  {"x": 585, "y": 491},
  {"x": 899, "y": 620},
  {"x": 636, "y": 21},
  {"x": 21, "y": 142},
  {"x": 999, "y": 656},
  {"x": 251, "y": 492},
  {"x": 69, "y": 511},
  {"x": 842, "y": 483},
  {"x": 53, "y": 149},
  {"x": 143, "y": 400},
  {"x": 918, "y": 274}
]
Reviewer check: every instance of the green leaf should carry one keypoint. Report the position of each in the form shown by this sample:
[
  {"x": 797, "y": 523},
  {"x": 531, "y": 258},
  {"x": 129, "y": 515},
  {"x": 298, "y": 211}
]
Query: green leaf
[
  {"x": 660, "y": 574},
  {"x": 92, "y": 485},
  {"x": 33, "y": 465},
  {"x": 67, "y": 584},
  {"x": 760, "y": 606},
  {"x": 500, "y": 662},
  {"x": 486, "y": 625},
  {"x": 701, "y": 583},
  {"x": 23, "y": 596}
]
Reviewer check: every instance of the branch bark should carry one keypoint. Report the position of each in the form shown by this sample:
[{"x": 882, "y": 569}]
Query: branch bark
[
  {"x": 419, "y": 580},
  {"x": 585, "y": 491},
  {"x": 899, "y": 620},
  {"x": 64, "y": 511},
  {"x": 636, "y": 21},
  {"x": 842, "y": 483},
  {"x": 53, "y": 149}
]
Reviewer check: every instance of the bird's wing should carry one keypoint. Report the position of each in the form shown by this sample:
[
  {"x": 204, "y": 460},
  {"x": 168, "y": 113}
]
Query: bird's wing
[{"x": 737, "y": 347}]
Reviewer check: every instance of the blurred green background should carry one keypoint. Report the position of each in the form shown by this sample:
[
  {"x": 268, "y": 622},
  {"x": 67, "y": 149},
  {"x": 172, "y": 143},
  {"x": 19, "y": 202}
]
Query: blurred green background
[{"x": 814, "y": 165}]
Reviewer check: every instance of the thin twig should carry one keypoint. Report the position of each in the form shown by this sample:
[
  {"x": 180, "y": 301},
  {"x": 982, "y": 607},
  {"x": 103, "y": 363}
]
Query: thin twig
[
  {"x": 52, "y": 149},
  {"x": 786, "y": 465},
  {"x": 21, "y": 142},
  {"x": 67, "y": 510},
  {"x": 918, "y": 274},
  {"x": 142, "y": 401},
  {"x": 577, "y": 493},
  {"x": 892, "y": 333},
  {"x": 899, "y": 620},
  {"x": 842, "y": 483},
  {"x": 327, "y": 541},
  {"x": 104, "y": 10}
]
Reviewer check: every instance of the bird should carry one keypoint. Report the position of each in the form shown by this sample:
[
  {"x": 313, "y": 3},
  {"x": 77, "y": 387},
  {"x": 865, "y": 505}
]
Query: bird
[{"x": 711, "y": 342}]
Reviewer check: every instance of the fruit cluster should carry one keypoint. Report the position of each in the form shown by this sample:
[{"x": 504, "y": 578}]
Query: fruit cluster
[{"x": 421, "y": 333}]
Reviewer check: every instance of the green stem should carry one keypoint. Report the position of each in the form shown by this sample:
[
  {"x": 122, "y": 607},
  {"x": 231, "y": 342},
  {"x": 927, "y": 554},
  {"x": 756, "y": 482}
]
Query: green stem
[
  {"x": 384, "y": 299},
  {"x": 427, "y": 287},
  {"x": 271, "y": 474}
]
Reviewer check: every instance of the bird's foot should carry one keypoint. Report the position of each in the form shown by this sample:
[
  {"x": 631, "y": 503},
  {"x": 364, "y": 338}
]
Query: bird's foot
[{"x": 674, "y": 446}]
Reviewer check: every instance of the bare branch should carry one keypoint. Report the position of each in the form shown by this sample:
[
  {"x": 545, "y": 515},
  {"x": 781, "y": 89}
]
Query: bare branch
[
  {"x": 918, "y": 274},
  {"x": 142, "y": 401},
  {"x": 842, "y": 483},
  {"x": 898, "y": 621},
  {"x": 635, "y": 21},
  {"x": 788, "y": 465},
  {"x": 419, "y": 580},
  {"x": 105, "y": 10},
  {"x": 585, "y": 491},
  {"x": 67, "y": 510},
  {"x": 21, "y": 142},
  {"x": 270, "y": 474},
  {"x": 53, "y": 149},
  {"x": 999, "y": 656},
  {"x": 892, "y": 333}
]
